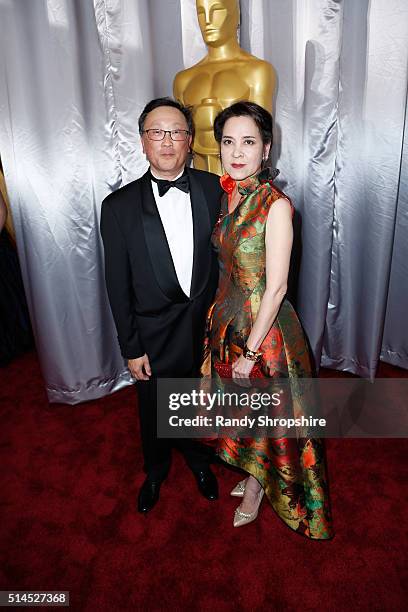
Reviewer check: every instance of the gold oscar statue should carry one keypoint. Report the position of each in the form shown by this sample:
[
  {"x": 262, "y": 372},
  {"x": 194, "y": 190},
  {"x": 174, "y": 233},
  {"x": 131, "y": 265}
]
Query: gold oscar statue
[{"x": 225, "y": 75}]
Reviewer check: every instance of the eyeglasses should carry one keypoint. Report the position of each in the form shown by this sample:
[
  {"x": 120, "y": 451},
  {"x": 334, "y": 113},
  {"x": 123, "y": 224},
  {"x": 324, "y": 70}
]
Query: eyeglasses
[{"x": 154, "y": 134}]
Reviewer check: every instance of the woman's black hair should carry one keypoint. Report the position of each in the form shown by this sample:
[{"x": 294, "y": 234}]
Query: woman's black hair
[{"x": 262, "y": 118}]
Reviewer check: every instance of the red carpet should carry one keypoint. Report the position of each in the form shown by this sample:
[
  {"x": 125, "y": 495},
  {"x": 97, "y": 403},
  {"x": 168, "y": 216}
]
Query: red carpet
[{"x": 69, "y": 480}]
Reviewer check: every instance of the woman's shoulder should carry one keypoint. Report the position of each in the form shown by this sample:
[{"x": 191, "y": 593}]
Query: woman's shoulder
[{"x": 271, "y": 194}]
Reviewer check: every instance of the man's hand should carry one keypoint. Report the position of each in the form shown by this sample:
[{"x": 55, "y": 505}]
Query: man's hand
[{"x": 140, "y": 368}]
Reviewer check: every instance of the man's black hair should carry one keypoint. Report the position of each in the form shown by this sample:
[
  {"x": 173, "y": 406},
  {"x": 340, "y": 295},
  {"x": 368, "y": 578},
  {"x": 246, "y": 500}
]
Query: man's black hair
[{"x": 157, "y": 103}]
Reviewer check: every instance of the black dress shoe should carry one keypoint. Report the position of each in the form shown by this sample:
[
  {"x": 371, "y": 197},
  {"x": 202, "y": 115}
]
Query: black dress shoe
[
  {"x": 148, "y": 495},
  {"x": 207, "y": 484}
]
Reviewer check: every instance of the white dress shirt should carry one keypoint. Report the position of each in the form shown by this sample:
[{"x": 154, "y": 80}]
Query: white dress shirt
[{"x": 175, "y": 213}]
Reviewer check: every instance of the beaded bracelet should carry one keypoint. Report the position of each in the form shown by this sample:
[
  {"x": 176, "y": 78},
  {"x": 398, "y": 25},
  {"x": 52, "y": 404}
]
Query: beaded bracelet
[{"x": 251, "y": 355}]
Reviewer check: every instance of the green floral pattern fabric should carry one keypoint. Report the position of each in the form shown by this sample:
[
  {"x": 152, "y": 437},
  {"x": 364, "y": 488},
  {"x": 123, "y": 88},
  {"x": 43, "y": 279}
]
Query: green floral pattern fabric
[{"x": 291, "y": 470}]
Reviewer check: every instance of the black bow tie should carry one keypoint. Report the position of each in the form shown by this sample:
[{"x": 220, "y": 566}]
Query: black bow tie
[{"x": 163, "y": 186}]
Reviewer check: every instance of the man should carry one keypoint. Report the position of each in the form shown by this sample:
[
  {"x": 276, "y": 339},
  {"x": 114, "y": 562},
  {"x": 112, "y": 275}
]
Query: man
[{"x": 161, "y": 275}]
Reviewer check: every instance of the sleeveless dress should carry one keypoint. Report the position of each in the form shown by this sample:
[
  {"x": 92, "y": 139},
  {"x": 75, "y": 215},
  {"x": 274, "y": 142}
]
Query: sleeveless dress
[{"x": 292, "y": 471}]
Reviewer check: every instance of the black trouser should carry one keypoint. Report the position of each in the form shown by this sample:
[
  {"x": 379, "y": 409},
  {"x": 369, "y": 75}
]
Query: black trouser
[{"x": 157, "y": 451}]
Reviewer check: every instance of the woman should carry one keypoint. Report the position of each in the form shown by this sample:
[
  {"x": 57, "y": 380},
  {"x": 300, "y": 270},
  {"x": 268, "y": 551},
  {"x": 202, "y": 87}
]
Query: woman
[{"x": 251, "y": 321}]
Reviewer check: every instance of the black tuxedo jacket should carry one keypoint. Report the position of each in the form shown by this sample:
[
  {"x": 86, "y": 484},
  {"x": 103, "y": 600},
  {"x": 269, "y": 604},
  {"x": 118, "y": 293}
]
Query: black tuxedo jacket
[{"x": 152, "y": 313}]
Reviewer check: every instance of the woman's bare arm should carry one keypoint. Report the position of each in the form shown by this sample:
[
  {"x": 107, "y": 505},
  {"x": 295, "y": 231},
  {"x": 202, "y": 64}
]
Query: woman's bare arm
[{"x": 278, "y": 244}]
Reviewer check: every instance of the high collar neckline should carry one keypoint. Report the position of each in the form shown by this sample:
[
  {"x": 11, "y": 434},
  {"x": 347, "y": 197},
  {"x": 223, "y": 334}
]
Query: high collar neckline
[{"x": 249, "y": 184}]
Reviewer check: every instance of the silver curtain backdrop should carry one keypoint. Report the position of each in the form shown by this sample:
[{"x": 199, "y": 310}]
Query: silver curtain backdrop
[{"x": 74, "y": 76}]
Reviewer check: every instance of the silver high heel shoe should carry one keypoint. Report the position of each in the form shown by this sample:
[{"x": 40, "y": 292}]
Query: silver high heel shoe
[
  {"x": 239, "y": 489},
  {"x": 243, "y": 518}
]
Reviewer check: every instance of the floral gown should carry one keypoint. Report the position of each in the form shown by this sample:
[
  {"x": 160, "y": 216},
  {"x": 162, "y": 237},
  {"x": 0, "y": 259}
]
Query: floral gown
[{"x": 292, "y": 471}]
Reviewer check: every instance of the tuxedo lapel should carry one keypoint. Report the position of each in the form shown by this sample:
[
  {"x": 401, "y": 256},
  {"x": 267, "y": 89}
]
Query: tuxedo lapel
[
  {"x": 201, "y": 230},
  {"x": 157, "y": 244}
]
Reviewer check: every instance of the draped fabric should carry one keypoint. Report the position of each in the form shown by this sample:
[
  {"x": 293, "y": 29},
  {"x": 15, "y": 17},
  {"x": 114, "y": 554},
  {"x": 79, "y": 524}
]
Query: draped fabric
[
  {"x": 340, "y": 114},
  {"x": 74, "y": 77}
]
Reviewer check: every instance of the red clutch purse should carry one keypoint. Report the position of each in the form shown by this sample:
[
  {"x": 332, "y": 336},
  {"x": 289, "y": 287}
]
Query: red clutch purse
[{"x": 224, "y": 370}]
